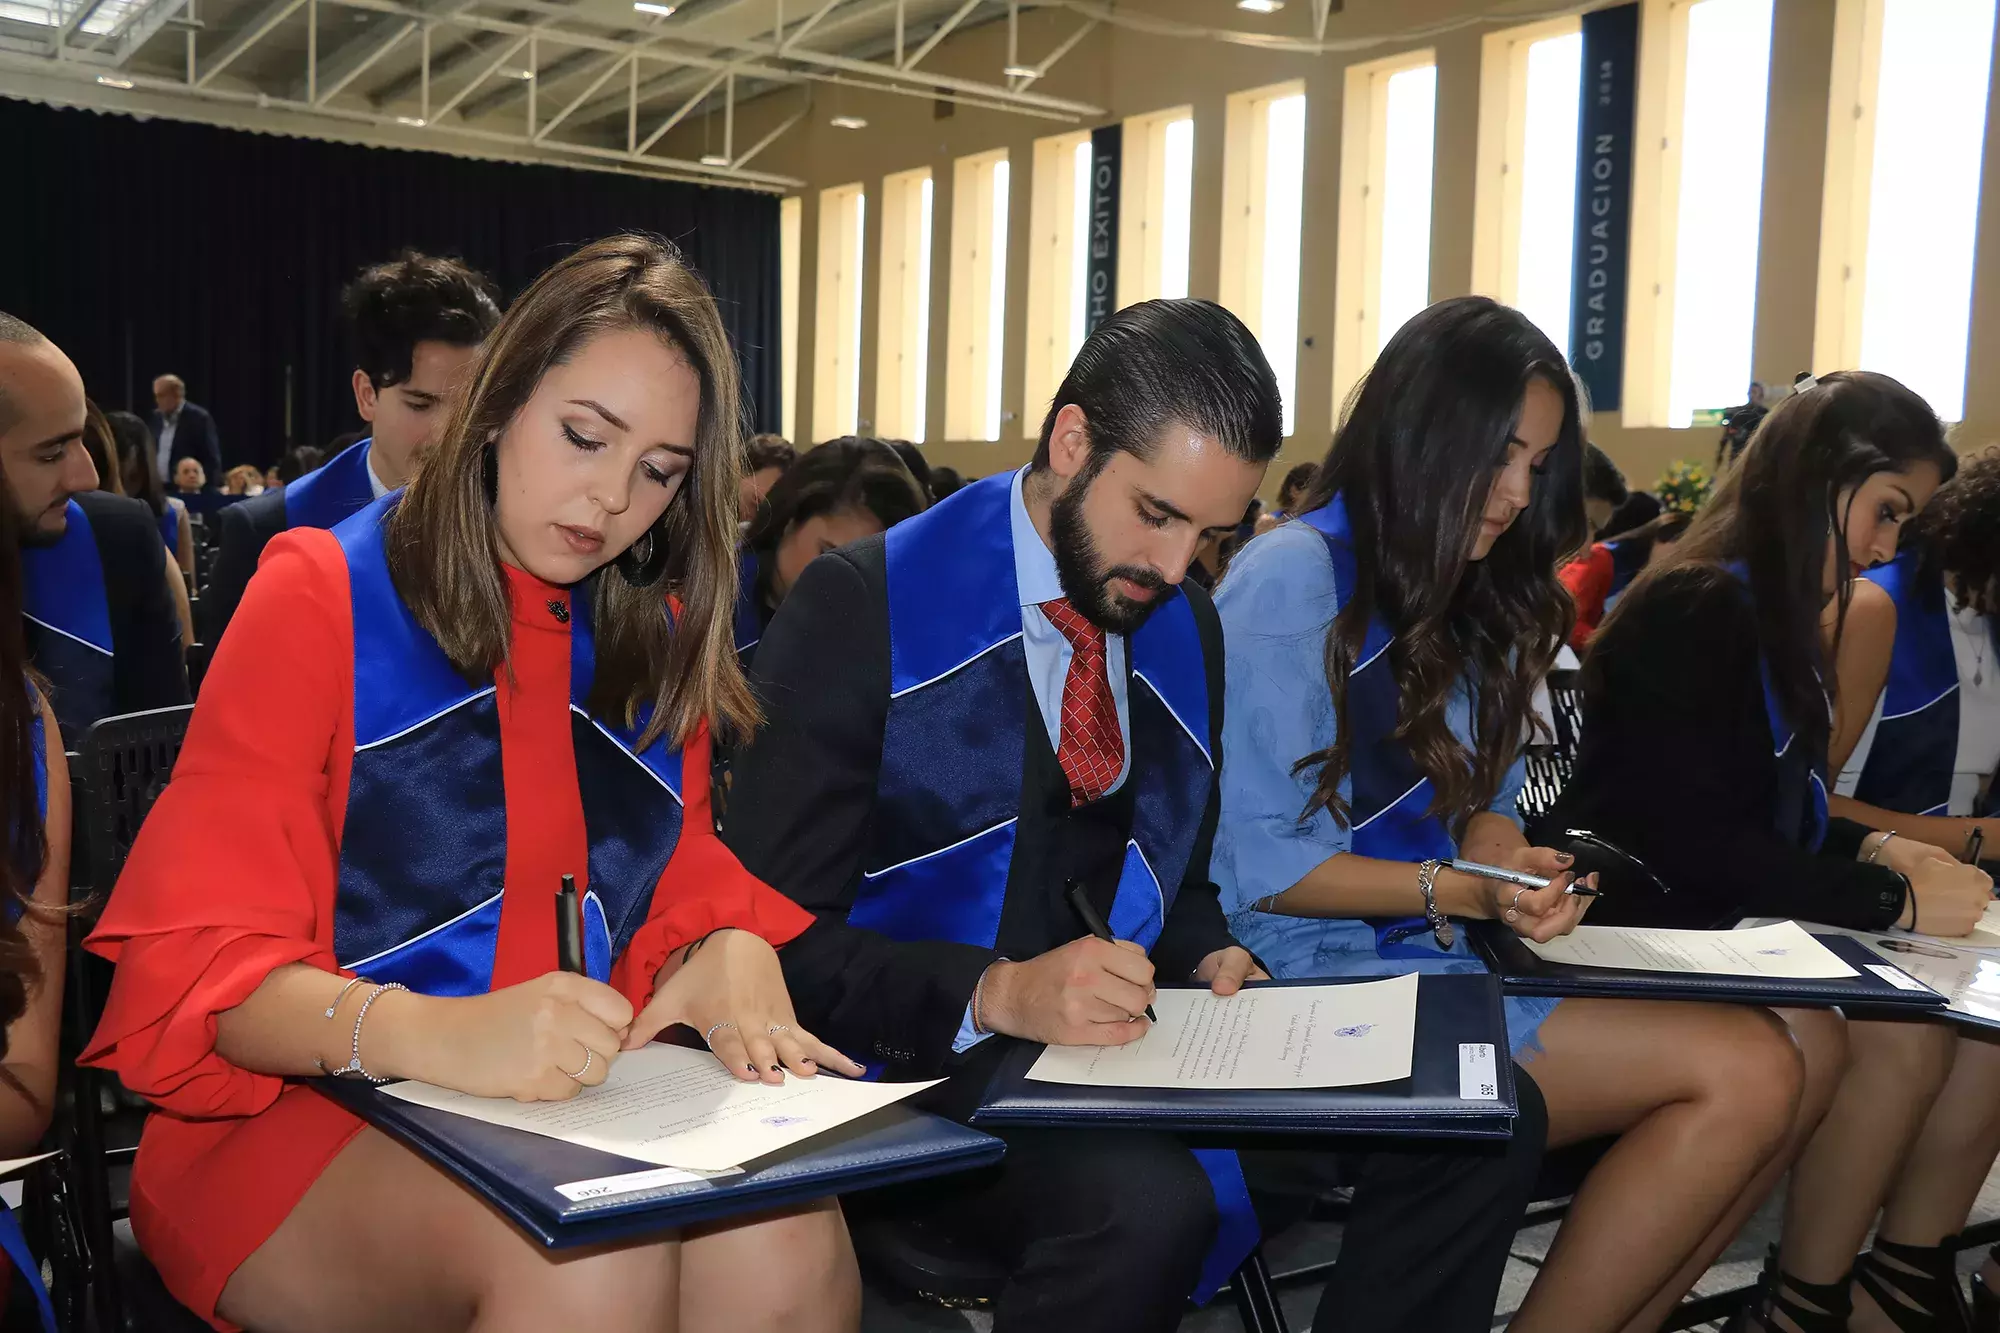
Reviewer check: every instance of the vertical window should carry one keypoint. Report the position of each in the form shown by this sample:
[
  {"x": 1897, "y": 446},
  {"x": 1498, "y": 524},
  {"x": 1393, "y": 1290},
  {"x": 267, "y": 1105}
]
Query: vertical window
[
  {"x": 1697, "y": 200},
  {"x": 1263, "y": 197},
  {"x": 837, "y": 313},
  {"x": 978, "y": 297},
  {"x": 791, "y": 216},
  {"x": 1058, "y": 268},
  {"x": 1524, "y": 211},
  {"x": 1721, "y": 201},
  {"x": 1383, "y": 269},
  {"x": 902, "y": 362},
  {"x": 1155, "y": 196},
  {"x": 1905, "y": 140}
]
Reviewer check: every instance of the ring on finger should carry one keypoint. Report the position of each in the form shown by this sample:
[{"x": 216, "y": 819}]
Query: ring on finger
[
  {"x": 589, "y": 1058},
  {"x": 708, "y": 1037},
  {"x": 776, "y": 1028}
]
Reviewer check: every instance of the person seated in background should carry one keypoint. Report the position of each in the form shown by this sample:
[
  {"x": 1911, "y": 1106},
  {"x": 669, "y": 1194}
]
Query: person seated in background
[
  {"x": 144, "y": 484},
  {"x": 416, "y": 323},
  {"x": 244, "y": 480},
  {"x": 34, "y": 893},
  {"x": 190, "y": 478},
  {"x": 840, "y": 492},
  {"x": 1298, "y": 479},
  {"x": 1704, "y": 751},
  {"x": 100, "y": 428},
  {"x": 1604, "y": 488},
  {"x": 1376, "y": 683},
  {"x": 295, "y": 463},
  {"x": 1005, "y": 694},
  {"x": 919, "y": 466},
  {"x": 945, "y": 482},
  {"x": 99, "y": 621},
  {"x": 1916, "y": 743},
  {"x": 592, "y": 469},
  {"x": 1598, "y": 578},
  {"x": 765, "y": 462}
]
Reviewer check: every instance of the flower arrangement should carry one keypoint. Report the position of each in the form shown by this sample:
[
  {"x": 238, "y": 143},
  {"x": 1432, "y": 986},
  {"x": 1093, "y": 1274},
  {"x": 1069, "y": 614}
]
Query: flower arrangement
[{"x": 1684, "y": 487}]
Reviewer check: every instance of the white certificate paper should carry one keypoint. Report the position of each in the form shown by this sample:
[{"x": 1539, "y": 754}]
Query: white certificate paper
[
  {"x": 1780, "y": 950},
  {"x": 678, "y": 1107},
  {"x": 1261, "y": 1037}
]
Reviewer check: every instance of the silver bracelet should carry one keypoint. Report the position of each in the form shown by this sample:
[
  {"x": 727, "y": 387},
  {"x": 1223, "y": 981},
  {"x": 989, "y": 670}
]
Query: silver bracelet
[
  {"x": 1427, "y": 874},
  {"x": 353, "y": 1065},
  {"x": 1878, "y": 848},
  {"x": 352, "y": 982}
]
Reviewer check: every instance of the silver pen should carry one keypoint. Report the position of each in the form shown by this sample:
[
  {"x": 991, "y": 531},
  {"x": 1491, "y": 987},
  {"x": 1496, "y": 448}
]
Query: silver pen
[{"x": 1520, "y": 877}]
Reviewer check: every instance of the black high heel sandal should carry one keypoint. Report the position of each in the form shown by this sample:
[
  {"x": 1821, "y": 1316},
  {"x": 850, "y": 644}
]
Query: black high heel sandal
[
  {"x": 1830, "y": 1305},
  {"x": 1985, "y": 1312},
  {"x": 1921, "y": 1296}
]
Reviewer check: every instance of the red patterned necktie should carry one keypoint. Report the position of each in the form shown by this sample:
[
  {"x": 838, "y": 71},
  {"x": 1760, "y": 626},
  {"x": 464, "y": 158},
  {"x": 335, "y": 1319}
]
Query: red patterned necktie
[{"x": 1090, "y": 750}]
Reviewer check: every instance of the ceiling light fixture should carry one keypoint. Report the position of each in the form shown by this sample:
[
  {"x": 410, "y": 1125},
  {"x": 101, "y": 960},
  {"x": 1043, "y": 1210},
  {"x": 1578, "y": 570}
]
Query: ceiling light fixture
[
  {"x": 647, "y": 7},
  {"x": 110, "y": 82},
  {"x": 1022, "y": 72},
  {"x": 714, "y": 160},
  {"x": 410, "y": 120},
  {"x": 848, "y": 123},
  {"x": 1261, "y": 6},
  {"x": 523, "y": 74}
]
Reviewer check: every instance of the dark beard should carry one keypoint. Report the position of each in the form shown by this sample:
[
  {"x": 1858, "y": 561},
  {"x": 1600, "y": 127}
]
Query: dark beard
[
  {"x": 1086, "y": 582},
  {"x": 30, "y": 534}
]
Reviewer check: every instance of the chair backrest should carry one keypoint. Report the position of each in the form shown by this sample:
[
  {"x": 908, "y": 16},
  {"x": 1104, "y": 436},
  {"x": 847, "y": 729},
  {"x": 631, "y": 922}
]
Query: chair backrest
[
  {"x": 1549, "y": 765},
  {"x": 124, "y": 765}
]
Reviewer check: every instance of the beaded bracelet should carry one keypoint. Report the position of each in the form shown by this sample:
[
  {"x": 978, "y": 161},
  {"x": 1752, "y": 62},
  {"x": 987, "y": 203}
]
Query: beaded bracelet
[{"x": 353, "y": 1065}]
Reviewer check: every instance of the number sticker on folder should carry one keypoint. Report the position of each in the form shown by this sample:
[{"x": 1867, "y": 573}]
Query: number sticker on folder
[{"x": 1478, "y": 1077}]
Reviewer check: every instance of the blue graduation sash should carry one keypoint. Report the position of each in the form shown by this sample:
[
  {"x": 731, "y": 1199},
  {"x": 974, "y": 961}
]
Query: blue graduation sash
[
  {"x": 954, "y": 752},
  {"x": 1389, "y": 808},
  {"x": 1801, "y": 804},
  {"x": 331, "y": 492},
  {"x": 170, "y": 529},
  {"x": 1915, "y": 752},
  {"x": 68, "y": 617},
  {"x": 749, "y": 624},
  {"x": 423, "y": 854}
]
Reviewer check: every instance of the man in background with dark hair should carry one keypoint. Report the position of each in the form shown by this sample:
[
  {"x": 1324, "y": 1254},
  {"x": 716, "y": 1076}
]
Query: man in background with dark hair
[
  {"x": 997, "y": 699},
  {"x": 1604, "y": 488},
  {"x": 769, "y": 458},
  {"x": 416, "y": 323},
  {"x": 99, "y": 621}
]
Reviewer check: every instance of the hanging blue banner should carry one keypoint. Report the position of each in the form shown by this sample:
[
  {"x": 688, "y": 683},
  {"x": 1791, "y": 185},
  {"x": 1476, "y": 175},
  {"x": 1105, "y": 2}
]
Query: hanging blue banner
[
  {"x": 1101, "y": 296},
  {"x": 1603, "y": 202}
]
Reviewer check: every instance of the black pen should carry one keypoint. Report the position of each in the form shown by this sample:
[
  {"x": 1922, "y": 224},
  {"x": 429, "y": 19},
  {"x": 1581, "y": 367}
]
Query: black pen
[
  {"x": 1973, "y": 844},
  {"x": 1095, "y": 924},
  {"x": 569, "y": 927}
]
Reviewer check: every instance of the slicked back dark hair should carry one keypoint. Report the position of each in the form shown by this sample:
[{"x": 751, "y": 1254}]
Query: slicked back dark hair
[
  {"x": 1601, "y": 478},
  {"x": 851, "y": 472},
  {"x": 415, "y": 298},
  {"x": 1159, "y": 362},
  {"x": 1958, "y": 532}
]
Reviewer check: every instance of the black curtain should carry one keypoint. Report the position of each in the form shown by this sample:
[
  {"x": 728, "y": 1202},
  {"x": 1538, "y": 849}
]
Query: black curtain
[{"x": 148, "y": 247}]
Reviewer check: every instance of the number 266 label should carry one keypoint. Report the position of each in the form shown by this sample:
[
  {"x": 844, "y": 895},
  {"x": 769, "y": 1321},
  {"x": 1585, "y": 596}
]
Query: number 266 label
[{"x": 1478, "y": 1076}]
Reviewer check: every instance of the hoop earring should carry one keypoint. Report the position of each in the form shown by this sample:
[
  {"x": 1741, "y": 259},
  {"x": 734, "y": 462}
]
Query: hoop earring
[{"x": 642, "y": 568}]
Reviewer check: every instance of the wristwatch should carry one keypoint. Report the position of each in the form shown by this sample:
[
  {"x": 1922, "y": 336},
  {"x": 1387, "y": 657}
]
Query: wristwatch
[{"x": 1427, "y": 874}]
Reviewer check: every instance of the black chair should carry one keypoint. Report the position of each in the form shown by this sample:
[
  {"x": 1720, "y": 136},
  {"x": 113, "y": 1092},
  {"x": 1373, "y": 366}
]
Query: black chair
[
  {"x": 120, "y": 770},
  {"x": 1550, "y": 764}
]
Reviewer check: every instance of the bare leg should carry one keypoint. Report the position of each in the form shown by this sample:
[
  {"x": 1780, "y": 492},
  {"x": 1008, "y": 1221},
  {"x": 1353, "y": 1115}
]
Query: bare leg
[
  {"x": 1821, "y": 1038},
  {"x": 727, "y": 1275},
  {"x": 1701, "y": 1097}
]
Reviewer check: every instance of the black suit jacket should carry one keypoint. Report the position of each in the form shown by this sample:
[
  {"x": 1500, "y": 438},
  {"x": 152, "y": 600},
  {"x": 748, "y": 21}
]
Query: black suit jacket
[
  {"x": 246, "y": 528},
  {"x": 802, "y": 806},
  {"x": 194, "y": 437}
]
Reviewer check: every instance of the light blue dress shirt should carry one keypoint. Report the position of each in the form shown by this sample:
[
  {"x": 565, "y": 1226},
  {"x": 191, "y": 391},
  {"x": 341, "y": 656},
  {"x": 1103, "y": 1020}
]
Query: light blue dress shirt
[
  {"x": 1276, "y": 605},
  {"x": 1048, "y": 657}
]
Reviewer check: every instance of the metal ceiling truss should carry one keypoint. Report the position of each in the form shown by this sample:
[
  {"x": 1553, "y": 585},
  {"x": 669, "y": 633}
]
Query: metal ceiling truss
[{"x": 542, "y": 41}]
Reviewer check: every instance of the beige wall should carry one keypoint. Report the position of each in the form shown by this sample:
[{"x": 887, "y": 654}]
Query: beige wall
[{"x": 1129, "y": 73}]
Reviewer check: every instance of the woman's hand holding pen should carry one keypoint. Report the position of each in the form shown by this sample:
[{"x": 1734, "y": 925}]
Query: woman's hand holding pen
[
  {"x": 541, "y": 1041},
  {"x": 732, "y": 990},
  {"x": 1539, "y": 914},
  {"x": 1947, "y": 897}
]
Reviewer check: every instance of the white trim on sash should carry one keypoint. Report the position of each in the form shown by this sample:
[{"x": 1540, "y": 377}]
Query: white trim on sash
[
  {"x": 644, "y": 767},
  {"x": 1912, "y": 712},
  {"x": 419, "y": 725},
  {"x": 912, "y": 689},
  {"x": 360, "y": 963},
  {"x": 55, "y": 629},
  {"x": 1176, "y": 717},
  {"x": 970, "y": 837},
  {"x": 1391, "y": 806},
  {"x": 1158, "y": 892}
]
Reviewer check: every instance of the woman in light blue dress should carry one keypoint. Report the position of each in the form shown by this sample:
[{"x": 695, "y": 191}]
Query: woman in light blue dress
[{"x": 1381, "y": 655}]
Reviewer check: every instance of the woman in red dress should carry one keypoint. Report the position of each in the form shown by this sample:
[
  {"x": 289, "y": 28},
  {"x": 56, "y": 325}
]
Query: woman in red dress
[{"x": 474, "y": 706}]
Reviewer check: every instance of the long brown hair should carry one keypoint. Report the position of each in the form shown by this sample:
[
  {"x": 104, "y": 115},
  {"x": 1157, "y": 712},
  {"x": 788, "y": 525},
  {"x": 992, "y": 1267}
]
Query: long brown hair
[
  {"x": 21, "y": 692},
  {"x": 1414, "y": 462},
  {"x": 441, "y": 546}
]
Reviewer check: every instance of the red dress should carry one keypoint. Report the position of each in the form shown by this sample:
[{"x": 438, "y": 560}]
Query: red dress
[
  {"x": 1588, "y": 578},
  {"x": 234, "y": 876}
]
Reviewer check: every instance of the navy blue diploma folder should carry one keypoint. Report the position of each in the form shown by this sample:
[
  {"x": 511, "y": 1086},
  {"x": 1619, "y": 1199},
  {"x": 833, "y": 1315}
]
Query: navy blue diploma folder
[
  {"x": 1522, "y": 972},
  {"x": 1452, "y": 1009},
  {"x": 518, "y": 1172}
]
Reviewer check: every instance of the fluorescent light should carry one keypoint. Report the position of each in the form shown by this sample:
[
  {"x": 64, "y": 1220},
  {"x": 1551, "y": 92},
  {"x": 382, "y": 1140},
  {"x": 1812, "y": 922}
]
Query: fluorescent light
[
  {"x": 1261, "y": 6},
  {"x": 522, "y": 74},
  {"x": 714, "y": 160},
  {"x": 1022, "y": 72},
  {"x": 110, "y": 82},
  {"x": 410, "y": 120},
  {"x": 647, "y": 7},
  {"x": 848, "y": 123}
]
